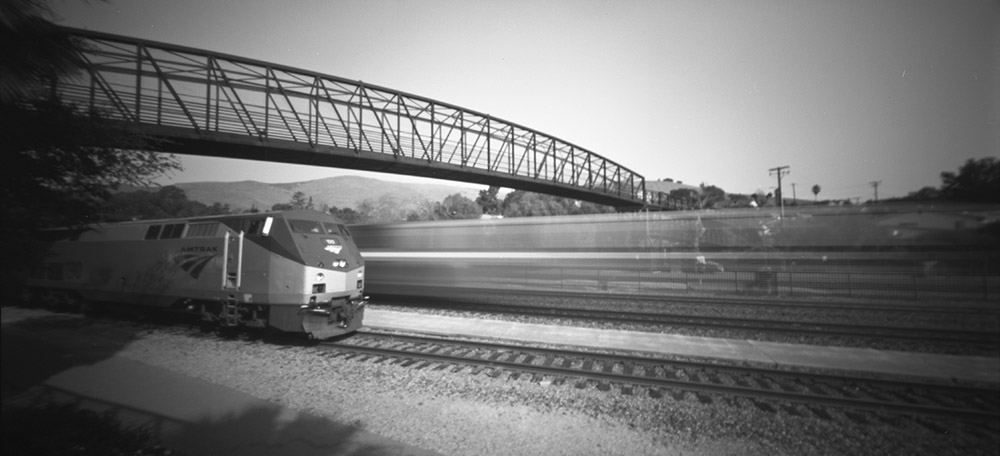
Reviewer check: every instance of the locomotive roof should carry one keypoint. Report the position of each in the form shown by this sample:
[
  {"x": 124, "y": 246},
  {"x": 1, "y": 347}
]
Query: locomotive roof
[{"x": 304, "y": 214}]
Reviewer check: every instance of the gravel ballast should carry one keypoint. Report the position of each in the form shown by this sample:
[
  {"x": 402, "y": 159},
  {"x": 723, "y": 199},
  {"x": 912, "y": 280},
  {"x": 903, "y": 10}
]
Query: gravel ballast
[{"x": 453, "y": 411}]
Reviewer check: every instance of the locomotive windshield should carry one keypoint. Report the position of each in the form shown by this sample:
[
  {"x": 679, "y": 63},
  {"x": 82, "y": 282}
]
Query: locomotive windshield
[
  {"x": 306, "y": 226},
  {"x": 316, "y": 227},
  {"x": 251, "y": 226},
  {"x": 333, "y": 229}
]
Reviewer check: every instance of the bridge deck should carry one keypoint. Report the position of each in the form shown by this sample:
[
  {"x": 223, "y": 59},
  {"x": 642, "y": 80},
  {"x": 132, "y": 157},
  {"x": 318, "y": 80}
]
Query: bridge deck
[{"x": 205, "y": 103}]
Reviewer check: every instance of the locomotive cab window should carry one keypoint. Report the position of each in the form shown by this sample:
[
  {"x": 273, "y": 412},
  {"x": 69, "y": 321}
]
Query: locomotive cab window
[
  {"x": 335, "y": 228},
  {"x": 172, "y": 231},
  {"x": 306, "y": 226},
  {"x": 202, "y": 230},
  {"x": 257, "y": 226},
  {"x": 254, "y": 226},
  {"x": 153, "y": 232}
]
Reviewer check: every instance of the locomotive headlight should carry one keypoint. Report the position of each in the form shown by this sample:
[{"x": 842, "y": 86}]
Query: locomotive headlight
[{"x": 320, "y": 276}]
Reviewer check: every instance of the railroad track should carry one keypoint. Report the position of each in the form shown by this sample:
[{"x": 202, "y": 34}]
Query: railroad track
[
  {"x": 767, "y": 389},
  {"x": 988, "y": 339},
  {"x": 973, "y": 308}
]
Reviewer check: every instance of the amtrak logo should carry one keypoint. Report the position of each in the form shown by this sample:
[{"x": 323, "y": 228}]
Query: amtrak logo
[
  {"x": 193, "y": 263},
  {"x": 332, "y": 246}
]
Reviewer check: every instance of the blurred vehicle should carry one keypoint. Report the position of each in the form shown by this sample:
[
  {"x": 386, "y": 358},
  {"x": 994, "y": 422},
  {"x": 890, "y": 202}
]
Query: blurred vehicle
[{"x": 812, "y": 250}]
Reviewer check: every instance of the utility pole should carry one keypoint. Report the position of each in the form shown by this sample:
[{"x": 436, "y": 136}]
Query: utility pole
[
  {"x": 875, "y": 184},
  {"x": 793, "y": 193},
  {"x": 780, "y": 171}
]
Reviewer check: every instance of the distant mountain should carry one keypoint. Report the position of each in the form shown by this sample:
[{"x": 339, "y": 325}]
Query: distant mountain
[{"x": 340, "y": 191}]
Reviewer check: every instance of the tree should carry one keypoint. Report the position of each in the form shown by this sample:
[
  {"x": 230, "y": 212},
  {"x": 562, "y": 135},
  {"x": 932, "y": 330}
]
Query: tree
[
  {"x": 217, "y": 208},
  {"x": 926, "y": 193},
  {"x": 384, "y": 209},
  {"x": 976, "y": 181},
  {"x": 586, "y": 207},
  {"x": 167, "y": 202},
  {"x": 458, "y": 207},
  {"x": 520, "y": 203},
  {"x": 66, "y": 160},
  {"x": 61, "y": 162},
  {"x": 703, "y": 197},
  {"x": 299, "y": 201},
  {"x": 710, "y": 197},
  {"x": 685, "y": 197},
  {"x": 453, "y": 207},
  {"x": 68, "y": 163},
  {"x": 488, "y": 200},
  {"x": 423, "y": 210},
  {"x": 347, "y": 215},
  {"x": 815, "y": 192},
  {"x": 737, "y": 200},
  {"x": 33, "y": 51}
]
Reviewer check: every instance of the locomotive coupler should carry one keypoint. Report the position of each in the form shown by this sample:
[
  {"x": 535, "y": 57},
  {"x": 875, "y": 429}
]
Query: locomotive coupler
[
  {"x": 342, "y": 314},
  {"x": 349, "y": 310}
]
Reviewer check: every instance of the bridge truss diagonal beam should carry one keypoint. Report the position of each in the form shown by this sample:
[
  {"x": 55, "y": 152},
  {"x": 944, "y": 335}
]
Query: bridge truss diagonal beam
[{"x": 207, "y": 103}]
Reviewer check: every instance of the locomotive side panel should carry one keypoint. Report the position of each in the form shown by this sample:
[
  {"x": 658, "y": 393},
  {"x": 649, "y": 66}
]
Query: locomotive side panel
[{"x": 122, "y": 264}]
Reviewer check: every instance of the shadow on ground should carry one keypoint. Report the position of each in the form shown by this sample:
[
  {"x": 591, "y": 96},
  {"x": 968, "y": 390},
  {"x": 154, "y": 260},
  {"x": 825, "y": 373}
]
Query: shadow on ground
[{"x": 49, "y": 358}]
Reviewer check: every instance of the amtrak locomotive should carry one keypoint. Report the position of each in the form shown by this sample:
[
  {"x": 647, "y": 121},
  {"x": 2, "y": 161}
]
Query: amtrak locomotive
[{"x": 296, "y": 271}]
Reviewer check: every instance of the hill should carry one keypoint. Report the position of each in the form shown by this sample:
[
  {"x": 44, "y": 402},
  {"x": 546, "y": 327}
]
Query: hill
[{"x": 340, "y": 191}]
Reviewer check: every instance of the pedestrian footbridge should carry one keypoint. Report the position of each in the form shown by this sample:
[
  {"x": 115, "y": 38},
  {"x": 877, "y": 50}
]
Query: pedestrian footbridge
[{"x": 199, "y": 102}]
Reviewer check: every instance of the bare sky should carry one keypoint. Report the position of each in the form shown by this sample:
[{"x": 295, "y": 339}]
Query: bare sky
[{"x": 844, "y": 92}]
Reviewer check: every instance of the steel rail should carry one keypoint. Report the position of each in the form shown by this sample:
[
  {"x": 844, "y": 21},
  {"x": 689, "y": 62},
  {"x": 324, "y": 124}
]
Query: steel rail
[
  {"x": 745, "y": 324},
  {"x": 951, "y": 309},
  {"x": 660, "y": 382}
]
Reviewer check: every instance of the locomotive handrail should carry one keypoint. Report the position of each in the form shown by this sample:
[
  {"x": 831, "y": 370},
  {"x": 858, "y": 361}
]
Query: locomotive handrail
[{"x": 189, "y": 94}]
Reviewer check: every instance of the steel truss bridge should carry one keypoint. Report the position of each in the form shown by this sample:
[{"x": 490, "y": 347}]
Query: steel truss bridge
[{"x": 204, "y": 103}]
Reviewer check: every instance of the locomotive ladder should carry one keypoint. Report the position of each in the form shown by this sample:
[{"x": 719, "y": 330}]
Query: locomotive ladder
[
  {"x": 232, "y": 272},
  {"x": 232, "y": 268},
  {"x": 230, "y": 311}
]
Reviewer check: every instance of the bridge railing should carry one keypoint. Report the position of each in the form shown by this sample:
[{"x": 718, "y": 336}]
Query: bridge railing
[{"x": 215, "y": 94}]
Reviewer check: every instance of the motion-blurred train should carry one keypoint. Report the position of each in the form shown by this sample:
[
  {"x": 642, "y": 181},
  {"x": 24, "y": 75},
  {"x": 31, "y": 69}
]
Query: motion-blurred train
[
  {"x": 886, "y": 250},
  {"x": 297, "y": 271}
]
